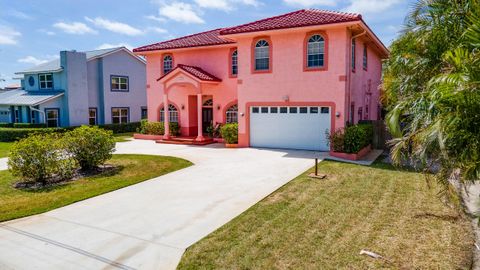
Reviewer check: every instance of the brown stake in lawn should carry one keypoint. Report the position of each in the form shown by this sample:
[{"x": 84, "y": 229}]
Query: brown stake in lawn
[
  {"x": 132, "y": 169},
  {"x": 324, "y": 224}
]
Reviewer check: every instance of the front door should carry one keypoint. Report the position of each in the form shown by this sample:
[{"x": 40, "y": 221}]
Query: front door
[{"x": 207, "y": 118}]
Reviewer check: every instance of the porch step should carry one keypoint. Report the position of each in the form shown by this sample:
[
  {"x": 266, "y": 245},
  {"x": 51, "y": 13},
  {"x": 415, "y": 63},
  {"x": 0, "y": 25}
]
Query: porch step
[{"x": 186, "y": 141}]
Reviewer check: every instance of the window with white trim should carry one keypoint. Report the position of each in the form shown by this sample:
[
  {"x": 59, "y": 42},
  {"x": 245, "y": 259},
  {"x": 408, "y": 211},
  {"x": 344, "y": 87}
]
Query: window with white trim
[
  {"x": 315, "y": 51},
  {"x": 119, "y": 83},
  {"x": 52, "y": 117},
  {"x": 262, "y": 55},
  {"x": 120, "y": 115},
  {"x": 232, "y": 114},
  {"x": 45, "y": 81},
  {"x": 172, "y": 114},
  {"x": 234, "y": 63},
  {"x": 167, "y": 64},
  {"x": 92, "y": 116}
]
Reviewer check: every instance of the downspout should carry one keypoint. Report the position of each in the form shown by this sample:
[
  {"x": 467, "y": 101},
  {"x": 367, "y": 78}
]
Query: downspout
[
  {"x": 40, "y": 111},
  {"x": 350, "y": 74}
]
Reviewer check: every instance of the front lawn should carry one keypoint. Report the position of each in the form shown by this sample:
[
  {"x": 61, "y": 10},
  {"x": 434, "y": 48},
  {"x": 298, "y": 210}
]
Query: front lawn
[
  {"x": 5, "y": 148},
  {"x": 123, "y": 137},
  {"x": 133, "y": 169},
  {"x": 324, "y": 224}
]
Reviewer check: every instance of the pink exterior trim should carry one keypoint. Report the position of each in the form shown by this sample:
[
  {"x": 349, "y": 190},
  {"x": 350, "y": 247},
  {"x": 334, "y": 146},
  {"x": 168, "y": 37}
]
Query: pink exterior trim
[{"x": 139, "y": 136}]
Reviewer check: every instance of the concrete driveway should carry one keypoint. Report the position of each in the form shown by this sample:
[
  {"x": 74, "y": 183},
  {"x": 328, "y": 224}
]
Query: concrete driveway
[{"x": 149, "y": 225}]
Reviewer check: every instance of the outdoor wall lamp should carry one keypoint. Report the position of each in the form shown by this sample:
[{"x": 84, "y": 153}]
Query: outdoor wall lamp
[
  {"x": 183, "y": 107},
  {"x": 218, "y": 107},
  {"x": 286, "y": 98},
  {"x": 337, "y": 114},
  {"x": 242, "y": 114}
]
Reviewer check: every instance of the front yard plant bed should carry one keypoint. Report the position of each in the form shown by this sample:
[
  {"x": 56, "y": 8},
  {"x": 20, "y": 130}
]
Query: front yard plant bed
[
  {"x": 324, "y": 224},
  {"x": 129, "y": 170}
]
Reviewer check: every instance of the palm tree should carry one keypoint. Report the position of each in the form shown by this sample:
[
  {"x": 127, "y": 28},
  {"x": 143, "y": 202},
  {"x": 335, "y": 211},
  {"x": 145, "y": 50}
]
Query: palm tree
[{"x": 432, "y": 89}]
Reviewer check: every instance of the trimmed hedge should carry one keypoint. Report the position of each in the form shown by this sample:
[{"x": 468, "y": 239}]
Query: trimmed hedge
[
  {"x": 11, "y": 134},
  {"x": 29, "y": 125},
  {"x": 158, "y": 128},
  {"x": 230, "y": 133},
  {"x": 351, "y": 139},
  {"x": 6, "y": 125}
]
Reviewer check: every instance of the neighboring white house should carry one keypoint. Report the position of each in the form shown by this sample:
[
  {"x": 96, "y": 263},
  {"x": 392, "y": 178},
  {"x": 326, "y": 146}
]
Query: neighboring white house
[{"x": 95, "y": 87}]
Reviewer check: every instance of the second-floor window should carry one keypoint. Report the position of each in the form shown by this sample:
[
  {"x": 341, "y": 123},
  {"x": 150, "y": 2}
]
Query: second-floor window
[
  {"x": 365, "y": 57},
  {"x": 167, "y": 64},
  {"x": 316, "y": 52},
  {"x": 234, "y": 63},
  {"x": 45, "y": 81},
  {"x": 262, "y": 55},
  {"x": 119, "y": 83}
]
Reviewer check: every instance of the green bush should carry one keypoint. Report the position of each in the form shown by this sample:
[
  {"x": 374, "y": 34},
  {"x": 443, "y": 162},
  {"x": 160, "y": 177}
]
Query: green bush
[
  {"x": 6, "y": 125},
  {"x": 41, "y": 157},
  {"x": 122, "y": 128},
  {"x": 90, "y": 146},
  {"x": 29, "y": 125},
  {"x": 14, "y": 134},
  {"x": 230, "y": 133},
  {"x": 351, "y": 139},
  {"x": 158, "y": 128}
]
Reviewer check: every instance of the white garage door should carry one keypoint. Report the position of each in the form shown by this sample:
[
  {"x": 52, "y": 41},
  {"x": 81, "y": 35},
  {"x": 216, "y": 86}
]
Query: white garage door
[{"x": 290, "y": 127}]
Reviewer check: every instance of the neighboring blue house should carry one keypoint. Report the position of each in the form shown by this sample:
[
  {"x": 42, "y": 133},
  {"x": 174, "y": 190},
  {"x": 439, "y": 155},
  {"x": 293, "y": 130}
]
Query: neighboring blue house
[{"x": 95, "y": 87}]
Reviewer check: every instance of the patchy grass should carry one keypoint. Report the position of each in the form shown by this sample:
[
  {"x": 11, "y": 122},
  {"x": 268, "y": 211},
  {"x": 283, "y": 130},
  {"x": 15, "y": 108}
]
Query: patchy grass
[
  {"x": 123, "y": 137},
  {"x": 323, "y": 224},
  {"x": 133, "y": 169},
  {"x": 5, "y": 148}
]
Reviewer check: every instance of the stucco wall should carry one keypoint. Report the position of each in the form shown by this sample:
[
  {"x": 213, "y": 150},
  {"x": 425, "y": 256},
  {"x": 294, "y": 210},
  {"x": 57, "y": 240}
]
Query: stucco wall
[
  {"x": 123, "y": 64},
  {"x": 76, "y": 96}
]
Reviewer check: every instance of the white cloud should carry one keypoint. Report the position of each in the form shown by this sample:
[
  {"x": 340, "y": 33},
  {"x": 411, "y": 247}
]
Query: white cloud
[
  {"x": 36, "y": 61},
  {"x": 8, "y": 35},
  {"x": 370, "y": 6},
  {"x": 19, "y": 15},
  {"x": 46, "y": 32},
  {"x": 108, "y": 46},
  {"x": 225, "y": 5},
  {"x": 76, "y": 28},
  {"x": 180, "y": 12},
  {"x": 155, "y": 18},
  {"x": 116, "y": 27},
  {"x": 157, "y": 30},
  {"x": 309, "y": 3}
]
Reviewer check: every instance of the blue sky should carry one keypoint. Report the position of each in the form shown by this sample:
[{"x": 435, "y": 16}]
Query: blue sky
[{"x": 33, "y": 31}]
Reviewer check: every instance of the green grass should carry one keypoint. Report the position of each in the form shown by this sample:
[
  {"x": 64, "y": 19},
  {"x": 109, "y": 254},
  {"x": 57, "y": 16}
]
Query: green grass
[
  {"x": 16, "y": 203},
  {"x": 5, "y": 148},
  {"x": 123, "y": 137},
  {"x": 324, "y": 224}
]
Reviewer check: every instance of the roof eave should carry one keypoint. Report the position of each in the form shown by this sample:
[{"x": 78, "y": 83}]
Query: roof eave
[
  {"x": 374, "y": 37},
  {"x": 39, "y": 71},
  {"x": 200, "y": 47}
]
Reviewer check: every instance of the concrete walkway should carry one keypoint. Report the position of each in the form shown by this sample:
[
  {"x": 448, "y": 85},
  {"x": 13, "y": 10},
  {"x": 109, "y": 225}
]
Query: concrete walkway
[
  {"x": 3, "y": 164},
  {"x": 149, "y": 225}
]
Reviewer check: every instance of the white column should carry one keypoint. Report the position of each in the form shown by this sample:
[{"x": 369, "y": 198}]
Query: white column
[
  {"x": 166, "y": 115},
  {"x": 199, "y": 117}
]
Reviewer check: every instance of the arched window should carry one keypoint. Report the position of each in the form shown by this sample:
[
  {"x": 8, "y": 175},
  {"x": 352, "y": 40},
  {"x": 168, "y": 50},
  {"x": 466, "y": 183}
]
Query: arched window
[
  {"x": 262, "y": 55},
  {"x": 232, "y": 114},
  {"x": 234, "y": 63},
  {"x": 172, "y": 114},
  {"x": 315, "y": 51},
  {"x": 167, "y": 64},
  {"x": 208, "y": 103}
]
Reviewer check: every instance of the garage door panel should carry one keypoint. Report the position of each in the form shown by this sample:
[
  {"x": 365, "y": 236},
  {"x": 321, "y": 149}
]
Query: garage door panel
[{"x": 306, "y": 131}]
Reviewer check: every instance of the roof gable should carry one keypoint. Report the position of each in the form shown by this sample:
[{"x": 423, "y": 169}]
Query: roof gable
[{"x": 196, "y": 72}]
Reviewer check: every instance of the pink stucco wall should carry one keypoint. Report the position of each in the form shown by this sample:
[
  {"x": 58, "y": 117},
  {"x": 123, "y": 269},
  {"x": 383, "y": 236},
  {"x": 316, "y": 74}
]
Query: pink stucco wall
[{"x": 287, "y": 78}]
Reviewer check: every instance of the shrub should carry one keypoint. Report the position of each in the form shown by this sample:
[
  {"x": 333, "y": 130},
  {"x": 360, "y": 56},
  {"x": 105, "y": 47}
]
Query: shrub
[
  {"x": 90, "y": 146},
  {"x": 29, "y": 125},
  {"x": 158, "y": 128},
  {"x": 6, "y": 125},
  {"x": 230, "y": 133},
  {"x": 214, "y": 130},
  {"x": 14, "y": 134},
  {"x": 352, "y": 138},
  {"x": 121, "y": 128},
  {"x": 41, "y": 157}
]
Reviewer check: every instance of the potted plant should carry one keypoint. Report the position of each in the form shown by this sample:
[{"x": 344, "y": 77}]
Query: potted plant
[{"x": 229, "y": 133}]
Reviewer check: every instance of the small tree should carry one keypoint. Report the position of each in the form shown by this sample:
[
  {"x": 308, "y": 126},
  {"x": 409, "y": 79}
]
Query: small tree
[
  {"x": 90, "y": 146},
  {"x": 39, "y": 158}
]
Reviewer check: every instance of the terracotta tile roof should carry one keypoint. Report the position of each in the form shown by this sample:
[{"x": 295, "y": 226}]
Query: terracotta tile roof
[
  {"x": 197, "y": 72},
  {"x": 300, "y": 18},
  {"x": 208, "y": 38}
]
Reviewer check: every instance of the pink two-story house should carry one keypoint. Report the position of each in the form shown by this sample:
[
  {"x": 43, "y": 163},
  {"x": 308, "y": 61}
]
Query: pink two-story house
[{"x": 287, "y": 80}]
